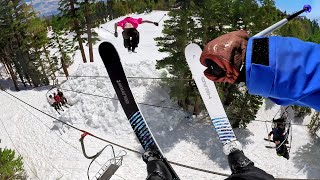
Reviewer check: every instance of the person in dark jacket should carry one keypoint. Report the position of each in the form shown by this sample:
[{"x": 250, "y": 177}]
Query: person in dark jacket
[
  {"x": 278, "y": 132},
  {"x": 279, "y": 136},
  {"x": 241, "y": 167},
  {"x": 283, "y": 69}
]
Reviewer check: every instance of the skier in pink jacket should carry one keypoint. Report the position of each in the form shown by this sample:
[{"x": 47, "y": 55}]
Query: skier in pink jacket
[{"x": 130, "y": 33}]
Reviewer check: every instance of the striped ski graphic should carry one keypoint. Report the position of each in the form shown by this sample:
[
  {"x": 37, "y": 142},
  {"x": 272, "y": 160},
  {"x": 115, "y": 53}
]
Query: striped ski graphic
[{"x": 139, "y": 126}]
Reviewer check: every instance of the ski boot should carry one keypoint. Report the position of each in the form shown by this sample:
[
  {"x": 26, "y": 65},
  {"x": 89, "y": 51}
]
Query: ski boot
[{"x": 238, "y": 162}]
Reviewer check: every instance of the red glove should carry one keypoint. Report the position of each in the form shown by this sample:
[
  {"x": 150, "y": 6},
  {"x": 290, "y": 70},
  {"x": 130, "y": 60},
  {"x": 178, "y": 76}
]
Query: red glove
[{"x": 224, "y": 56}]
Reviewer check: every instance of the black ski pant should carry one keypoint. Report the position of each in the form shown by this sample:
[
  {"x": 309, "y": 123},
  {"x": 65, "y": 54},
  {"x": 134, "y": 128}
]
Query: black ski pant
[
  {"x": 56, "y": 106},
  {"x": 283, "y": 151},
  {"x": 130, "y": 38}
]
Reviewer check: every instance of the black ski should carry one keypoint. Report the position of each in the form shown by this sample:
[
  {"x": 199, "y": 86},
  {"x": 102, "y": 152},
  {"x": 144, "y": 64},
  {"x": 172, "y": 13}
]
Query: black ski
[{"x": 111, "y": 60}]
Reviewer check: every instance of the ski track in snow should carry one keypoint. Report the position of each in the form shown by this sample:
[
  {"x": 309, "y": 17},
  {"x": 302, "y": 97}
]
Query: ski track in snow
[{"x": 53, "y": 151}]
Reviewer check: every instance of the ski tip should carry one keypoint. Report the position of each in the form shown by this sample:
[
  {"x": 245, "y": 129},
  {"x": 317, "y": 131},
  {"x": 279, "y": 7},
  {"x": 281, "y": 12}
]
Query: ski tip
[
  {"x": 108, "y": 53},
  {"x": 105, "y": 45},
  {"x": 192, "y": 45},
  {"x": 192, "y": 48}
]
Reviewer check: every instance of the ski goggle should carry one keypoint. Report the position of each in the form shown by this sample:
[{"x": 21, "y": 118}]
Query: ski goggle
[{"x": 219, "y": 69}]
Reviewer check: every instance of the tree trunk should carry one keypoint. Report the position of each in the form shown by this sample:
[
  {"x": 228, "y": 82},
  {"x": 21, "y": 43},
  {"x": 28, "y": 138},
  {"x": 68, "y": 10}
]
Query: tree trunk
[
  {"x": 181, "y": 103},
  {"x": 19, "y": 68},
  {"x": 88, "y": 20},
  {"x": 63, "y": 60},
  {"x": 196, "y": 109},
  {"x": 13, "y": 76},
  {"x": 46, "y": 80},
  {"x": 64, "y": 67},
  {"x": 52, "y": 68},
  {"x": 76, "y": 27},
  {"x": 35, "y": 81}
]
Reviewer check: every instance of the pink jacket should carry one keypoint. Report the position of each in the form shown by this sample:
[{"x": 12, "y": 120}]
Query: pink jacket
[{"x": 135, "y": 22}]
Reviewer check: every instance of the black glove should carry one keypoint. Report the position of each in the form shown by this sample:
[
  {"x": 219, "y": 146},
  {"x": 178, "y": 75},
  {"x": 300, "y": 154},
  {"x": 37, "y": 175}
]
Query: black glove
[
  {"x": 155, "y": 23},
  {"x": 116, "y": 34}
]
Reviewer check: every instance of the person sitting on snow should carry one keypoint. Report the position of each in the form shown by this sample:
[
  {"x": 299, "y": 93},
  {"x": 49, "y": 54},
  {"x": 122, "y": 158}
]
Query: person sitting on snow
[
  {"x": 283, "y": 69},
  {"x": 130, "y": 33}
]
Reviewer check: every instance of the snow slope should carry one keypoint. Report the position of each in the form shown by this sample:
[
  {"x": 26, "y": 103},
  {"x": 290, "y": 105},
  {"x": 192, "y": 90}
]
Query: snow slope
[{"x": 53, "y": 151}]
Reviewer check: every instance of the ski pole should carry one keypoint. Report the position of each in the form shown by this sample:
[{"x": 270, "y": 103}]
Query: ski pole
[
  {"x": 162, "y": 18},
  {"x": 267, "y": 31},
  {"x": 107, "y": 30}
]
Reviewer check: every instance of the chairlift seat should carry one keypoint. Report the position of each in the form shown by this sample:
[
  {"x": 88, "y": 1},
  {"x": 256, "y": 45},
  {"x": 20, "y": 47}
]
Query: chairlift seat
[{"x": 109, "y": 172}]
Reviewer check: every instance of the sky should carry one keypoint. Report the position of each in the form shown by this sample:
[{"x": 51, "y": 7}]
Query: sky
[{"x": 296, "y": 5}]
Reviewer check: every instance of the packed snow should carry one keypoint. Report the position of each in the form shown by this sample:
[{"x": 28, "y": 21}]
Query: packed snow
[{"x": 53, "y": 151}]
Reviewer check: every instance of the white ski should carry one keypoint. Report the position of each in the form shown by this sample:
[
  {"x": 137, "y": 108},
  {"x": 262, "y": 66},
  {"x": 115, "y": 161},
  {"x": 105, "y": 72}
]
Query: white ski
[{"x": 211, "y": 99}]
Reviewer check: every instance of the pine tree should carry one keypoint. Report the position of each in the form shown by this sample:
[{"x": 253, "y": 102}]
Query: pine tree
[
  {"x": 215, "y": 16},
  {"x": 11, "y": 167},
  {"x": 17, "y": 51},
  {"x": 314, "y": 124},
  {"x": 89, "y": 25},
  {"x": 6, "y": 34},
  {"x": 300, "y": 111},
  {"x": 100, "y": 13},
  {"x": 70, "y": 9},
  {"x": 62, "y": 43},
  {"x": 265, "y": 16},
  {"x": 36, "y": 39},
  {"x": 243, "y": 108},
  {"x": 178, "y": 32}
]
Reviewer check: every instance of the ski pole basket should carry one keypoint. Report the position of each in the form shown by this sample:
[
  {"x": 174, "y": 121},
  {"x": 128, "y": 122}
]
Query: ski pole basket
[{"x": 108, "y": 169}]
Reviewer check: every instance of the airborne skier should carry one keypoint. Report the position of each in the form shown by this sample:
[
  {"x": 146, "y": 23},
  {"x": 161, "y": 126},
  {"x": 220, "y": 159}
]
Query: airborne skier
[{"x": 130, "y": 33}]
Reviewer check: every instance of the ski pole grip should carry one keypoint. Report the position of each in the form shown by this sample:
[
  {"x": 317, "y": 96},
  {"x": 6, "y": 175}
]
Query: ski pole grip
[{"x": 267, "y": 31}]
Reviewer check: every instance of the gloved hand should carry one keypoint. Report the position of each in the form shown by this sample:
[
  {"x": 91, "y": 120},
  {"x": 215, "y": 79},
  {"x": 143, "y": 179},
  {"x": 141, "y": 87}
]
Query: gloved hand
[
  {"x": 224, "y": 56},
  {"x": 115, "y": 34},
  {"x": 155, "y": 23}
]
